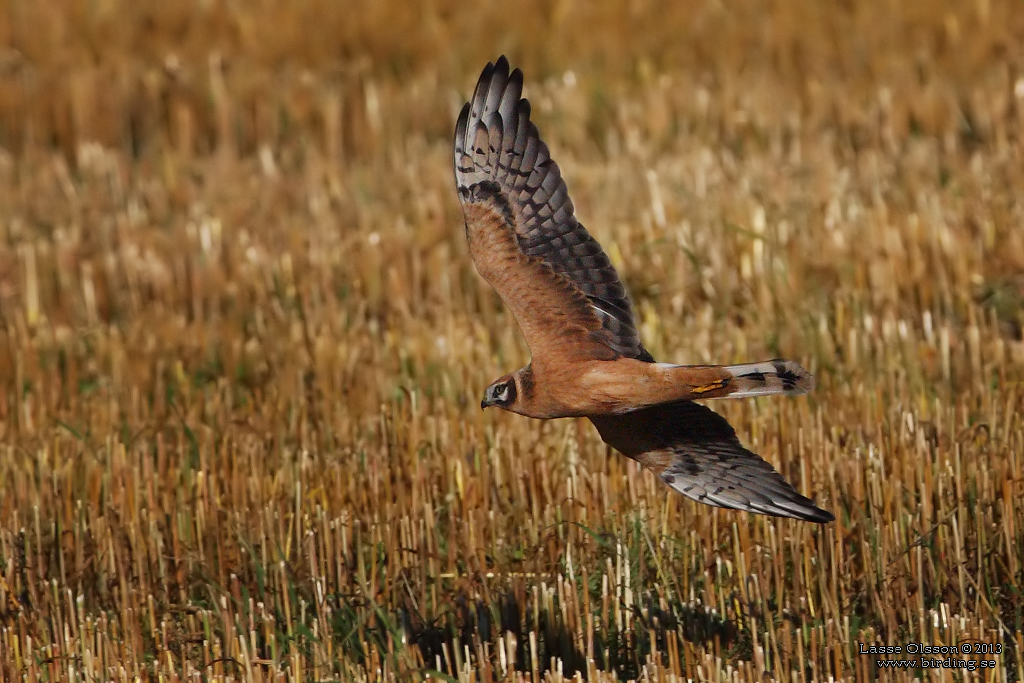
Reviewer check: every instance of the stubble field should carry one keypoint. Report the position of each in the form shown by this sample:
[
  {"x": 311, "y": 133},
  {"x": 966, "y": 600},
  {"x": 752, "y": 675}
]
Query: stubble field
[{"x": 242, "y": 344}]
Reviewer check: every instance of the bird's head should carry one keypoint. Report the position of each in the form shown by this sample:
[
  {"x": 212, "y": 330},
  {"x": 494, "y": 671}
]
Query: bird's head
[{"x": 501, "y": 393}]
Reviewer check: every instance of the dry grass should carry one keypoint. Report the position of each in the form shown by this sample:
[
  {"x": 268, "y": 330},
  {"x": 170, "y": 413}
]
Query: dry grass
[{"x": 242, "y": 343}]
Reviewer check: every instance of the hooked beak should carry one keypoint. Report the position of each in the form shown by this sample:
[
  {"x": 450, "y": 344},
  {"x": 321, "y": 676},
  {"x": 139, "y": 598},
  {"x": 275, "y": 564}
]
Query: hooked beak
[{"x": 488, "y": 400}]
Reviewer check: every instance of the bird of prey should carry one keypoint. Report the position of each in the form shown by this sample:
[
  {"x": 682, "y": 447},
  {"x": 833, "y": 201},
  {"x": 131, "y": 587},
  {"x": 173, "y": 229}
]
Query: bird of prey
[{"x": 587, "y": 357}]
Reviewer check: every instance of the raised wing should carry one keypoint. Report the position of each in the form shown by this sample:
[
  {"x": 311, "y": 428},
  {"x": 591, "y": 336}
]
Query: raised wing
[
  {"x": 695, "y": 451},
  {"x": 507, "y": 181}
]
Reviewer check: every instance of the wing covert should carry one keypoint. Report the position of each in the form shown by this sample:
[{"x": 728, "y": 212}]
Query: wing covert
[{"x": 499, "y": 155}]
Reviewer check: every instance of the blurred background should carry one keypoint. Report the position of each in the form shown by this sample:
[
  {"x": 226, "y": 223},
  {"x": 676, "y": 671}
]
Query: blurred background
[{"x": 242, "y": 343}]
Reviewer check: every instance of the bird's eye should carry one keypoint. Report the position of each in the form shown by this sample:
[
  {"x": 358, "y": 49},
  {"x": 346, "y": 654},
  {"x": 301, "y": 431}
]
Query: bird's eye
[{"x": 502, "y": 393}]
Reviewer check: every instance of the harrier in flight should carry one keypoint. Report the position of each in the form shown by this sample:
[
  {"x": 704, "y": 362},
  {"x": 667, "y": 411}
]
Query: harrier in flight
[{"x": 587, "y": 358}]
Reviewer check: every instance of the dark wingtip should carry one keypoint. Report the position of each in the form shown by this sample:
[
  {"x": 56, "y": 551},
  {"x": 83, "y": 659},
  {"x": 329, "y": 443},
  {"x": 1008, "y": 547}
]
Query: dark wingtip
[
  {"x": 488, "y": 71},
  {"x": 460, "y": 126},
  {"x": 819, "y": 516},
  {"x": 504, "y": 70},
  {"x": 516, "y": 77},
  {"x": 800, "y": 507},
  {"x": 497, "y": 69},
  {"x": 805, "y": 511}
]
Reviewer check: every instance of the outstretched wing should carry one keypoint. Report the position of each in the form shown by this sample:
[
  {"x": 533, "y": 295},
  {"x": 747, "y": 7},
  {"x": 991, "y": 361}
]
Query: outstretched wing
[
  {"x": 695, "y": 451},
  {"x": 508, "y": 183}
]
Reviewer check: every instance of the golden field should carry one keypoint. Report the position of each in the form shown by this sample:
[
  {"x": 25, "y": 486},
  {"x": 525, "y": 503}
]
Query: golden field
[{"x": 242, "y": 344}]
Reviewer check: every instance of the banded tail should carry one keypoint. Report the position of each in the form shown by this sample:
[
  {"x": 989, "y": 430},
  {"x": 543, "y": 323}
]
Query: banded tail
[
  {"x": 769, "y": 377},
  {"x": 766, "y": 378}
]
